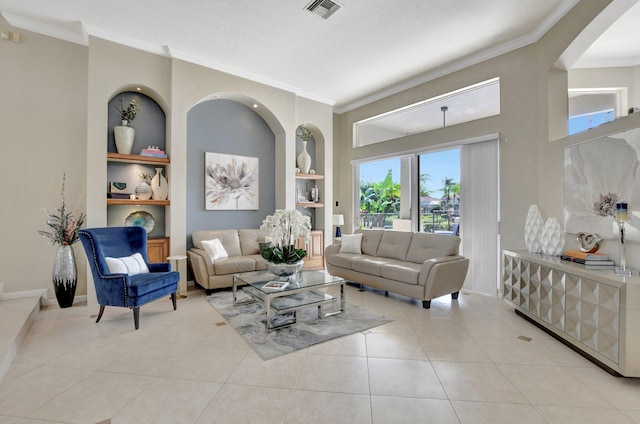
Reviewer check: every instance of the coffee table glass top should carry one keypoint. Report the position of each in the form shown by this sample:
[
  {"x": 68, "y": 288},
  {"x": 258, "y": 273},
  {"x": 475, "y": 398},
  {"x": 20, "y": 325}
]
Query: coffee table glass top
[{"x": 303, "y": 279}]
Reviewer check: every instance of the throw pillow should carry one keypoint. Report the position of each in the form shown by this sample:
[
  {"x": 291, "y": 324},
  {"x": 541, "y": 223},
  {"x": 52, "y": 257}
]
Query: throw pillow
[
  {"x": 214, "y": 249},
  {"x": 351, "y": 243},
  {"x": 131, "y": 265}
]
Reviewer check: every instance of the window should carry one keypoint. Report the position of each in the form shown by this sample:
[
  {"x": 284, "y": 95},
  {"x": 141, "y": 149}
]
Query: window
[
  {"x": 382, "y": 196},
  {"x": 467, "y": 104},
  {"x": 439, "y": 176},
  {"x": 584, "y": 122}
]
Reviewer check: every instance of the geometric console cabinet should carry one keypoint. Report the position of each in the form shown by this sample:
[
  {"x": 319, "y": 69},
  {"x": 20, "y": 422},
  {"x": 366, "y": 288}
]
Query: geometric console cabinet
[{"x": 598, "y": 312}]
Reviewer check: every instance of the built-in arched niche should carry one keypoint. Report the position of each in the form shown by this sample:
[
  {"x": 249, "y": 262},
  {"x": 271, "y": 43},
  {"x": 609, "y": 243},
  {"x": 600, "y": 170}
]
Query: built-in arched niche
[
  {"x": 150, "y": 130},
  {"x": 226, "y": 125},
  {"x": 309, "y": 202}
]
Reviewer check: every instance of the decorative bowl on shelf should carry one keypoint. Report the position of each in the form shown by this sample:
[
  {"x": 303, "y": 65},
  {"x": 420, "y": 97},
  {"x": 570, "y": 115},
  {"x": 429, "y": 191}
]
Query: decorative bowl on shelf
[{"x": 141, "y": 219}]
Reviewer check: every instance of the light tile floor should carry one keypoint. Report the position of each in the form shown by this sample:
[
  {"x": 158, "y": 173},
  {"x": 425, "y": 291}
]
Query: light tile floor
[{"x": 459, "y": 362}]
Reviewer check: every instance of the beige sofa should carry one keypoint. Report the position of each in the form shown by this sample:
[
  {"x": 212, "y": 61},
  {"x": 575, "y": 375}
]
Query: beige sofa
[
  {"x": 419, "y": 265},
  {"x": 242, "y": 247}
]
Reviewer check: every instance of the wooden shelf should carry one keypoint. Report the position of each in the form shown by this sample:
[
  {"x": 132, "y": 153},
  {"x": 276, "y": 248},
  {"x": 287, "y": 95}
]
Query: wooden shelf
[
  {"x": 137, "y": 202},
  {"x": 309, "y": 176},
  {"x": 117, "y": 157},
  {"x": 310, "y": 205}
]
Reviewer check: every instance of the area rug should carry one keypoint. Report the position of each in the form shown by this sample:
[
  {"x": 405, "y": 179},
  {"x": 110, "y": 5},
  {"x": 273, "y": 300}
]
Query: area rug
[{"x": 248, "y": 321}]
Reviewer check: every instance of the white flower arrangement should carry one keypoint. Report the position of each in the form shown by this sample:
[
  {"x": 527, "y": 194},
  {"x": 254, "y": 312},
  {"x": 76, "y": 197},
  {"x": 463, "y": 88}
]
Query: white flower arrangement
[{"x": 284, "y": 227}]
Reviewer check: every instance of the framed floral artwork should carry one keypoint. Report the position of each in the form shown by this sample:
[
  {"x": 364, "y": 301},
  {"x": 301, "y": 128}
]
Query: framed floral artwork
[
  {"x": 231, "y": 182},
  {"x": 598, "y": 174}
]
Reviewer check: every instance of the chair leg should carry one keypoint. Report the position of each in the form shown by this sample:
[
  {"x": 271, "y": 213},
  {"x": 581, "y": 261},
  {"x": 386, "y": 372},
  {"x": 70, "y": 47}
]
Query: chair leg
[
  {"x": 426, "y": 304},
  {"x": 100, "y": 313},
  {"x": 174, "y": 297},
  {"x": 454, "y": 296},
  {"x": 136, "y": 316}
]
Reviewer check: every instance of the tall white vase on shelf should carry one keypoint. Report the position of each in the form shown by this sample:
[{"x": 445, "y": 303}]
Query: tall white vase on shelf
[
  {"x": 551, "y": 237},
  {"x": 304, "y": 159},
  {"x": 532, "y": 229},
  {"x": 159, "y": 186},
  {"x": 124, "y": 136}
]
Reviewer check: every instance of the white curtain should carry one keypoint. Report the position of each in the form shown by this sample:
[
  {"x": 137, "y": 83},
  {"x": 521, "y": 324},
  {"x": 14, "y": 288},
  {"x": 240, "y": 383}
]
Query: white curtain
[{"x": 479, "y": 214}]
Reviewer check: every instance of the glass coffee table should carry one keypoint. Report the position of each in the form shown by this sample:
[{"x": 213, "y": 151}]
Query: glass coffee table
[{"x": 301, "y": 290}]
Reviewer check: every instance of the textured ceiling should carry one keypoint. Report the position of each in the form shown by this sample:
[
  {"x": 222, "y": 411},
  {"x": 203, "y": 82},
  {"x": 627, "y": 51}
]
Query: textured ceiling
[{"x": 367, "y": 49}]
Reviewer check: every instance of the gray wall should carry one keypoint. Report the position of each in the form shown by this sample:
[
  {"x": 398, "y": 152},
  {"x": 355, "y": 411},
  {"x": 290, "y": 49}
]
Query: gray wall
[{"x": 225, "y": 126}]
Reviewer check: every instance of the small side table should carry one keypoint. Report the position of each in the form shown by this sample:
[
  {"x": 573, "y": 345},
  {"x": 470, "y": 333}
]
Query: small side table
[{"x": 179, "y": 263}]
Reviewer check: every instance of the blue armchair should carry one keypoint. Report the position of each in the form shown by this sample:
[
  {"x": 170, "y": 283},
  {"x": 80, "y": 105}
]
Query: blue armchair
[{"x": 122, "y": 289}]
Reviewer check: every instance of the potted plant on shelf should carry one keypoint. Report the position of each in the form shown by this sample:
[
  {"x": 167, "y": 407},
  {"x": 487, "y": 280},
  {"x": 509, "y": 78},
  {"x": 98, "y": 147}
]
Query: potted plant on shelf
[
  {"x": 284, "y": 228},
  {"x": 64, "y": 232},
  {"x": 124, "y": 134}
]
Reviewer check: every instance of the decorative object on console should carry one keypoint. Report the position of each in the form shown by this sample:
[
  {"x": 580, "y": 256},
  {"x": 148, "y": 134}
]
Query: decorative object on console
[
  {"x": 551, "y": 237},
  {"x": 312, "y": 171},
  {"x": 304, "y": 159},
  {"x": 140, "y": 219},
  {"x": 124, "y": 134},
  {"x": 284, "y": 228},
  {"x": 598, "y": 174},
  {"x": 143, "y": 191},
  {"x": 588, "y": 243},
  {"x": 532, "y": 229},
  {"x": 231, "y": 182},
  {"x": 159, "y": 186},
  {"x": 622, "y": 217},
  {"x": 338, "y": 220},
  {"x": 64, "y": 232}
]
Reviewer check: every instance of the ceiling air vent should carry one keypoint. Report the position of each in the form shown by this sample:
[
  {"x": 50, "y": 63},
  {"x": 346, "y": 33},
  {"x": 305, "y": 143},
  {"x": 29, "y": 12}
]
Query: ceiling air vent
[{"x": 323, "y": 8}]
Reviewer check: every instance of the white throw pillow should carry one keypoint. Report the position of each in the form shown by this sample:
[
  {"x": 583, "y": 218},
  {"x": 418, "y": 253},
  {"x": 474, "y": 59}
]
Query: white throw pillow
[
  {"x": 351, "y": 243},
  {"x": 214, "y": 249},
  {"x": 131, "y": 265}
]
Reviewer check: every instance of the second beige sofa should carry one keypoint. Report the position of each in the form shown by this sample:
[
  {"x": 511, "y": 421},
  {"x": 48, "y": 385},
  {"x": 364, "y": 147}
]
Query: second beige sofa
[{"x": 419, "y": 265}]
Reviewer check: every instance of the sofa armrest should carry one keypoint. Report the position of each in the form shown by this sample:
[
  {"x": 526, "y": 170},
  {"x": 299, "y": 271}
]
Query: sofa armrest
[
  {"x": 443, "y": 275},
  {"x": 331, "y": 249},
  {"x": 201, "y": 266}
]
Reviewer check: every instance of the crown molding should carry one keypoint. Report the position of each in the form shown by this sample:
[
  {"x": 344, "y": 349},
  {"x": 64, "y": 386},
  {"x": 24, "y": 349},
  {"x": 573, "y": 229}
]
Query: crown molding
[
  {"x": 77, "y": 35},
  {"x": 191, "y": 58}
]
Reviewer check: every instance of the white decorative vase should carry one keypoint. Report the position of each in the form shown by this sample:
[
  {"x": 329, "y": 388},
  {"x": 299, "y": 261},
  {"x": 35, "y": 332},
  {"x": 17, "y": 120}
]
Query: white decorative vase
[
  {"x": 551, "y": 237},
  {"x": 304, "y": 159},
  {"x": 159, "y": 186},
  {"x": 532, "y": 229},
  {"x": 123, "y": 136},
  {"x": 143, "y": 191}
]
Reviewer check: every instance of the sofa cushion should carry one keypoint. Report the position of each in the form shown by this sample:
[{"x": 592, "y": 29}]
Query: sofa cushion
[
  {"x": 351, "y": 243},
  {"x": 367, "y": 264},
  {"x": 229, "y": 239},
  {"x": 214, "y": 249},
  {"x": 250, "y": 241},
  {"x": 234, "y": 264},
  {"x": 407, "y": 272},
  {"x": 427, "y": 246},
  {"x": 370, "y": 241},
  {"x": 342, "y": 260},
  {"x": 261, "y": 263},
  {"x": 394, "y": 244}
]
